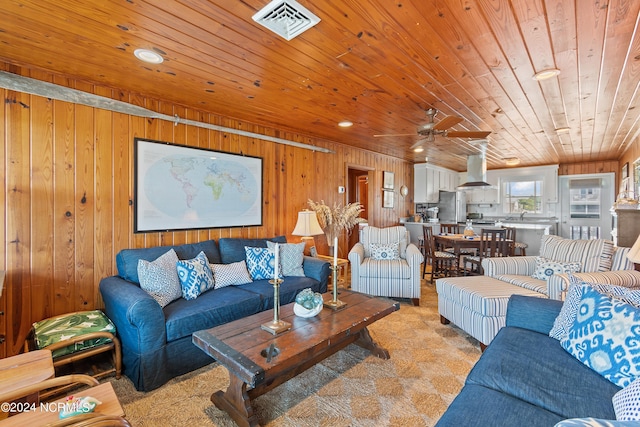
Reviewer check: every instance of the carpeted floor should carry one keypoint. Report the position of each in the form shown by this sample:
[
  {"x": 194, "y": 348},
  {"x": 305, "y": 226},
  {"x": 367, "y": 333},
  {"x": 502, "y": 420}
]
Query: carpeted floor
[{"x": 428, "y": 365}]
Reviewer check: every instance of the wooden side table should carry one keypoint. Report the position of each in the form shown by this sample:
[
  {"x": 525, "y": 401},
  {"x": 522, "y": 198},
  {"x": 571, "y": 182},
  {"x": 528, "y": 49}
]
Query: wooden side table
[
  {"x": 343, "y": 270},
  {"x": 25, "y": 369}
]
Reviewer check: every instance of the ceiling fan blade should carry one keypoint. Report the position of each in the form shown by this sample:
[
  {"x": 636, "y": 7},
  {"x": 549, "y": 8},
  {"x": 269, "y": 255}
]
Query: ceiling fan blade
[
  {"x": 447, "y": 122},
  {"x": 417, "y": 144},
  {"x": 468, "y": 134},
  {"x": 394, "y": 134}
]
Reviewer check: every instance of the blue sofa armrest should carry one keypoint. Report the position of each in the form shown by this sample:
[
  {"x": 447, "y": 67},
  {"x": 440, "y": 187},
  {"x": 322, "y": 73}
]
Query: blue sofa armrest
[
  {"x": 317, "y": 269},
  {"x": 139, "y": 319},
  {"x": 533, "y": 313}
]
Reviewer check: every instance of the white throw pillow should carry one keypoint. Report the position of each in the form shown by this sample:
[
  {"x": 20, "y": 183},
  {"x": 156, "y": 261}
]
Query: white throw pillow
[
  {"x": 235, "y": 273},
  {"x": 385, "y": 251},
  {"x": 159, "y": 278},
  {"x": 626, "y": 402},
  {"x": 545, "y": 268}
]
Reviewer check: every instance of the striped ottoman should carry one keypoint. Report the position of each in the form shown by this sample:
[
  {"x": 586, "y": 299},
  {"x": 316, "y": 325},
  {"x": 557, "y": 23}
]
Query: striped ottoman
[{"x": 477, "y": 304}]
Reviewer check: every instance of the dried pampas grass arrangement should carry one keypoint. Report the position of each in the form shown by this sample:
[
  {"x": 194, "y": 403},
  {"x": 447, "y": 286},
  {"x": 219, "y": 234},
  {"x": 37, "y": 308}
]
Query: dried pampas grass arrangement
[{"x": 334, "y": 220}]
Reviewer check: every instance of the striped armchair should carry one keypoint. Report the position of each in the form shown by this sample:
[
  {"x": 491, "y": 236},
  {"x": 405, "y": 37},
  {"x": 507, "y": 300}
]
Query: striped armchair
[{"x": 385, "y": 263}]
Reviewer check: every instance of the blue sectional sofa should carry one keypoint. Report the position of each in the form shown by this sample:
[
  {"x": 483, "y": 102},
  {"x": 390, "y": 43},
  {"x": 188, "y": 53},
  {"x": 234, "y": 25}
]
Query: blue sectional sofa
[
  {"x": 525, "y": 377},
  {"x": 156, "y": 342}
]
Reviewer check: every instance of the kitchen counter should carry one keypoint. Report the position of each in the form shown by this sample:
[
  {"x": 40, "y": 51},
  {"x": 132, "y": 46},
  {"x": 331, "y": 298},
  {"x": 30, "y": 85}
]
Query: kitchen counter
[
  {"x": 415, "y": 230},
  {"x": 528, "y": 230}
]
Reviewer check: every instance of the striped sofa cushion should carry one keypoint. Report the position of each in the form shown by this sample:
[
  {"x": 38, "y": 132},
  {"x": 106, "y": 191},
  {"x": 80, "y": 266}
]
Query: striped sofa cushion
[
  {"x": 386, "y": 235},
  {"x": 392, "y": 269},
  {"x": 522, "y": 265},
  {"x": 595, "y": 255},
  {"x": 526, "y": 282},
  {"x": 558, "y": 283},
  {"x": 620, "y": 260}
]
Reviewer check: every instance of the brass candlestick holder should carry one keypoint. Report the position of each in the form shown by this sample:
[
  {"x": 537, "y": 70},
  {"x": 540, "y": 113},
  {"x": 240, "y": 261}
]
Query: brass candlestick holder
[
  {"x": 335, "y": 303},
  {"x": 276, "y": 326}
]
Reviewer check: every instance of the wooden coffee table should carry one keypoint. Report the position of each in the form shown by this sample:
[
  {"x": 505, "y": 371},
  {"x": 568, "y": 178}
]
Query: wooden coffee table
[{"x": 258, "y": 361}]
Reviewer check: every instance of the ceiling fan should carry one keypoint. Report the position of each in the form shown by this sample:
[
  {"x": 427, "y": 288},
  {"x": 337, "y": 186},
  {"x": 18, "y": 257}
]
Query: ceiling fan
[{"x": 430, "y": 129}]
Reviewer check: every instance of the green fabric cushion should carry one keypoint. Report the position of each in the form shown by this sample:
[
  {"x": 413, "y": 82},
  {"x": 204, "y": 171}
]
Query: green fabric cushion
[{"x": 66, "y": 326}]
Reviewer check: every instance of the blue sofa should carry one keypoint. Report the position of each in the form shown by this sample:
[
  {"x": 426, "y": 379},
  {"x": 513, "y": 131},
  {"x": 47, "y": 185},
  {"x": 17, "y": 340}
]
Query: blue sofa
[
  {"x": 525, "y": 377},
  {"x": 156, "y": 342}
]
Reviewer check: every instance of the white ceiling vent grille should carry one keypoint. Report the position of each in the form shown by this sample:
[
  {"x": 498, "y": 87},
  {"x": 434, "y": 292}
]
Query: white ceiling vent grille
[{"x": 286, "y": 18}]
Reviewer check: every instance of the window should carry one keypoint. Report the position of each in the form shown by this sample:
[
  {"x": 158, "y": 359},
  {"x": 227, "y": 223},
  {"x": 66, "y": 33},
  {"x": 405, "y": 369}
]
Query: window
[
  {"x": 522, "y": 196},
  {"x": 584, "y": 195}
]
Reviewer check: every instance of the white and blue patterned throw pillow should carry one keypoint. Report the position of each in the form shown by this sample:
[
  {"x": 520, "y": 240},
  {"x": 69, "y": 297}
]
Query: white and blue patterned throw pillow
[
  {"x": 567, "y": 314},
  {"x": 195, "y": 276},
  {"x": 545, "y": 268},
  {"x": 234, "y": 273},
  {"x": 590, "y": 422},
  {"x": 626, "y": 402},
  {"x": 385, "y": 251},
  {"x": 605, "y": 336},
  {"x": 160, "y": 279},
  {"x": 261, "y": 263},
  {"x": 291, "y": 257}
]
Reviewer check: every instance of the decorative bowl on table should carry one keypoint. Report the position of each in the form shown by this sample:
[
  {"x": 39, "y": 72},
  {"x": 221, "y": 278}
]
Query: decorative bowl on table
[{"x": 308, "y": 303}]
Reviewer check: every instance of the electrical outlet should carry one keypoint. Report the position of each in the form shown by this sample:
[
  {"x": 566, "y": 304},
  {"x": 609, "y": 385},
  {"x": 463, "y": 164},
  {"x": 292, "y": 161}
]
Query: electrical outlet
[{"x": 341, "y": 189}]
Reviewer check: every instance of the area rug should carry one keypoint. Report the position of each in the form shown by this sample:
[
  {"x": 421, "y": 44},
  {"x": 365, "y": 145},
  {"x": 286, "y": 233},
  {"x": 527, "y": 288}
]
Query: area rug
[{"x": 428, "y": 365}]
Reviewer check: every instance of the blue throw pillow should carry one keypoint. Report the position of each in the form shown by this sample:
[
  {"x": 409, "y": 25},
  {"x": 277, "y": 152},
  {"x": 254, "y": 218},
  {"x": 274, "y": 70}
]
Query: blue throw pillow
[
  {"x": 195, "y": 276},
  {"x": 567, "y": 314},
  {"x": 261, "y": 263},
  {"x": 605, "y": 336},
  {"x": 291, "y": 257}
]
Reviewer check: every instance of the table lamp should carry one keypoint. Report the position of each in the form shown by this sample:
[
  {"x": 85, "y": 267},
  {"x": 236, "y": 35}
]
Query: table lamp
[
  {"x": 634, "y": 253},
  {"x": 307, "y": 227}
]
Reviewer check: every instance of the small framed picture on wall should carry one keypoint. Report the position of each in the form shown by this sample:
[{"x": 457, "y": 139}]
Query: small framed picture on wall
[
  {"x": 625, "y": 170},
  {"x": 387, "y": 180},
  {"x": 387, "y": 199}
]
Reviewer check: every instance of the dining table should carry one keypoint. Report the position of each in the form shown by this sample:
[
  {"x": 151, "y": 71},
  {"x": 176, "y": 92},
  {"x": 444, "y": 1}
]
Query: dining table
[{"x": 460, "y": 242}]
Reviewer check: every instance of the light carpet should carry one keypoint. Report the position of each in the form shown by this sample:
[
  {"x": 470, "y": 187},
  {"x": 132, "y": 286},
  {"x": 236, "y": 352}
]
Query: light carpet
[{"x": 428, "y": 365}]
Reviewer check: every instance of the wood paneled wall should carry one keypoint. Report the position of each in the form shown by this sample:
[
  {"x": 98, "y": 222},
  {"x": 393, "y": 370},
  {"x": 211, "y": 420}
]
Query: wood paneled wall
[
  {"x": 68, "y": 191},
  {"x": 591, "y": 168}
]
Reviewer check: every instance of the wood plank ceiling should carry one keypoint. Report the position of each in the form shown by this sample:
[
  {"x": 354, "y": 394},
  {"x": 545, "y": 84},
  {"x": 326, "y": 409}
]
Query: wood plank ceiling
[{"x": 377, "y": 63}]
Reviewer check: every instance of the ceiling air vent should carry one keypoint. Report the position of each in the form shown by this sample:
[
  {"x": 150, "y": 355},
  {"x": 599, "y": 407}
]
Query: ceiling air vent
[{"x": 286, "y": 18}]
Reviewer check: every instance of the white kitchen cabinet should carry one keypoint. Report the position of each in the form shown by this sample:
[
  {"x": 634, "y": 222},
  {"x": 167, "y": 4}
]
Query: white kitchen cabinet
[
  {"x": 419, "y": 183},
  {"x": 551, "y": 185},
  {"x": 430, "y": 180},
  {"x": 433, "y": 186},
  {"x": 446, "y": 182}
]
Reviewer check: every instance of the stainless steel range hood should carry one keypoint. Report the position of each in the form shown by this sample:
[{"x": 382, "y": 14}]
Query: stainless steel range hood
[{"x": 476, "y": 172}]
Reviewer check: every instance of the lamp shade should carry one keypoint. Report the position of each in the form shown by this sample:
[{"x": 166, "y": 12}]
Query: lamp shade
[
  {"x": 634, "y": 253},
  {"x": 307, "y": 224}
]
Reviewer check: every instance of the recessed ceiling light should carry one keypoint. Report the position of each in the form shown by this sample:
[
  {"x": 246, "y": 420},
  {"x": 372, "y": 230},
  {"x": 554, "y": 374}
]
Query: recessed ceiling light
[
  {"x": 563, "y": 130},
  {"x": 419, "y": 149},
  {"x": 149, "y": 56},
  {"x": 546, "y": 74},
  {"x": 345, "y": 124}
]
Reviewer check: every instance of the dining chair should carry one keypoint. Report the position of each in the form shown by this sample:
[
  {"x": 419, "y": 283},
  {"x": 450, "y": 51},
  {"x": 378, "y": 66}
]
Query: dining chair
[
  {"x": 517, "y": 248},
  {"x": 493, "y": 243},
  {"x": 455, "y": 229},
  {"x": 442, "y": 263},
  {"x": 450, "y": 228}
]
